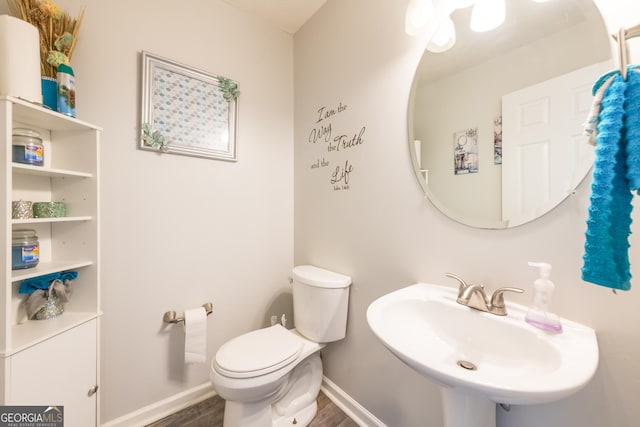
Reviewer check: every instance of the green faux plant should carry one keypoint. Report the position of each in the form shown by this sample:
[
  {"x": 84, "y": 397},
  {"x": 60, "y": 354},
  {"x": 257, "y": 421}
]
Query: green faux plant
[
  {"x": 229, "y": 88},
  {"x": 153, "y": 138}
]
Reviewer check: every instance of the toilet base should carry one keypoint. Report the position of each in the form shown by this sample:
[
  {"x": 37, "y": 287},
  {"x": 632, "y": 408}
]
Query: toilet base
[
  {"x": 301, "y": 419},
  {"x": 255, "y": 414},
  {"x": 249, "y": 414},
  {"x": 258, "y": 415}
]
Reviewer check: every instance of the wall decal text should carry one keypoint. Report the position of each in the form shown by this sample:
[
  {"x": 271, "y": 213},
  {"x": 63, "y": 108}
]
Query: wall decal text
[{"x": 322, "y": 133}]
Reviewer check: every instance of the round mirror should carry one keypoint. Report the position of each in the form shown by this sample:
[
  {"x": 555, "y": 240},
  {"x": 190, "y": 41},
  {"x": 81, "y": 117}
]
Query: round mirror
[{"x": 496, "y": 122}]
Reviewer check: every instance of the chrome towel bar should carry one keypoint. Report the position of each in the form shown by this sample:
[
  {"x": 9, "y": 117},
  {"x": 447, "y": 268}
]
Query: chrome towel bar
[{"x": 170, "y": 316}]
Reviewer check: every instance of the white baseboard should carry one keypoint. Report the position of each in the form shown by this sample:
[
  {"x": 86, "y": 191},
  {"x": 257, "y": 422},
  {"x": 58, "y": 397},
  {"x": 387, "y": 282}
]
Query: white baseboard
[
  {"x": 162, "y": 408},
  {"x": 353, "y": 409}
]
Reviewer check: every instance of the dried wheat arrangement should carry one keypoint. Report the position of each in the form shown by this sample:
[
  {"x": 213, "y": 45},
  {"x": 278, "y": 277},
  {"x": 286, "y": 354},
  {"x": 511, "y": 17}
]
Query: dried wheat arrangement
[{"x": 58, "y": 31}]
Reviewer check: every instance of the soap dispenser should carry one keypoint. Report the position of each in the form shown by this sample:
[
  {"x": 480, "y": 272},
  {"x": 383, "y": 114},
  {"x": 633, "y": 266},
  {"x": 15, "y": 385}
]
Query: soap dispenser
[{"x": 539, "y": 315}]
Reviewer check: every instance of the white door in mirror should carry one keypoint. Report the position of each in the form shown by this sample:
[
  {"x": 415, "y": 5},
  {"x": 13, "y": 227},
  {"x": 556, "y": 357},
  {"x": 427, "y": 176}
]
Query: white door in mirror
[{"x": 544, "y": 152}]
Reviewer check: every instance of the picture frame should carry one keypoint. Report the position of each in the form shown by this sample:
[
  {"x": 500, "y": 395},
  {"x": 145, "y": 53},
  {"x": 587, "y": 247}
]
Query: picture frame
[
  {"x": 497, "y": 140},
  {"x": 465, "y": 151},
  {"x": 187, "y": 111}
]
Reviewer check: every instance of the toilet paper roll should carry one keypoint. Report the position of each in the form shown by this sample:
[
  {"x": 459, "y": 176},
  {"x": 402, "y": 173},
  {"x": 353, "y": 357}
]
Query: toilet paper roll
[
  {"x": 19, "y": 59},
  {"x": 195, "y": 335}
]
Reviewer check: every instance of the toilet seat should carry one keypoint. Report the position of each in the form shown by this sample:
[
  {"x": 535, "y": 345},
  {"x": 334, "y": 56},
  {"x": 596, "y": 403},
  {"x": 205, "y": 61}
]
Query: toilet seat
[{"x": 258, "y": 352}]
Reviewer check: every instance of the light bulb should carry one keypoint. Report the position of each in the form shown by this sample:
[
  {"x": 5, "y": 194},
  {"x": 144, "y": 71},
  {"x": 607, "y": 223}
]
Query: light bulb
[
  {"x": 487, "y": 15},
  {"x": 419, "y": 12},
  {"x": 444, "y": 38}
]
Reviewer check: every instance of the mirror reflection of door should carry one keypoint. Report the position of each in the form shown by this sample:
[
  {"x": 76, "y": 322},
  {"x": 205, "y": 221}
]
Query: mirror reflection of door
[{"x": 544, "y": 151}]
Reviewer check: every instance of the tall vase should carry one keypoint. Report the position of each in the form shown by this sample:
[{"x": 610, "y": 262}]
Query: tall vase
[{"x": 50, "y": 93}]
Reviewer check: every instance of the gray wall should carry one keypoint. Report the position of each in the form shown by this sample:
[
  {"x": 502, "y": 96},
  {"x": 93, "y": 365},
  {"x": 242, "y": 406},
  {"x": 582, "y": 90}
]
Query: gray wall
[
  {"x": 384, "y": 234},
  {"x": 179, "y": 231}
]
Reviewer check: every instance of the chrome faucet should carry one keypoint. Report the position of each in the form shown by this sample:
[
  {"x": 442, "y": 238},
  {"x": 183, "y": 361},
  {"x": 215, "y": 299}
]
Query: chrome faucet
[{"x": 474, "y": 296}]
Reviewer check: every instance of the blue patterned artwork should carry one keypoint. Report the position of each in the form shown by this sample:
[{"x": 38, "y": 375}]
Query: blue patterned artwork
[
  {"x": 193, "y": 111},
  {"x": 189, "y": 111}
]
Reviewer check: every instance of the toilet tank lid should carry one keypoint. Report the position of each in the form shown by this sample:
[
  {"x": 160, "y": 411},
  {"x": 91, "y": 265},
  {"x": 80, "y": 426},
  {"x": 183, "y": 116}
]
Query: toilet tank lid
[{"x": 319, "y": 277}]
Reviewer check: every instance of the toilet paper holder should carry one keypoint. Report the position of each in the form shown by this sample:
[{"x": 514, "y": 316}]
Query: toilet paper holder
[{"x": 170, "y": 316}]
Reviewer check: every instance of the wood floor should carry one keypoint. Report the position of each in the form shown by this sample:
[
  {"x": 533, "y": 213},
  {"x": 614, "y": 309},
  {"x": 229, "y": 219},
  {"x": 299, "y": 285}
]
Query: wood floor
[{"x": 208, "y": 413}]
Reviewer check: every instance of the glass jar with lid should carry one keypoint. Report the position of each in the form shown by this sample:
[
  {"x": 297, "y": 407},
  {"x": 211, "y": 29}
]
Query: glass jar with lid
[
  {"x": 25, "y": 249},
  {"x": 27, "y": 147}
]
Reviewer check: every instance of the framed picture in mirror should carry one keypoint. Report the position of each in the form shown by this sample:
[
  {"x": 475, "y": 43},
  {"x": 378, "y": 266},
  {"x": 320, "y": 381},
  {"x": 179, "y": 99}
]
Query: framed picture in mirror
[{"x": 465, "y": 151}]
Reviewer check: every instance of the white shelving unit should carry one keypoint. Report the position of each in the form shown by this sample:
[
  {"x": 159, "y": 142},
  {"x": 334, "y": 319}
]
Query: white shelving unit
[{"x": 70, "y": 174}]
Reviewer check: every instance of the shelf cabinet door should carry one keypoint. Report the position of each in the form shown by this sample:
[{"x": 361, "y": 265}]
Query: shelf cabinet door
[{"x": 59, "y": 371}]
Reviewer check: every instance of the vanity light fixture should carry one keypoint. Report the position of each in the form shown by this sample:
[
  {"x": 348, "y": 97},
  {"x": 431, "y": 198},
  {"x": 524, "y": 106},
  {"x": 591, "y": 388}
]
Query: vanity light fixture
[
  {"x": 418, "y": 14},
  {"x": 487, "y": 15},
  {"x": 444, "y": 37},
  {"x": 436, "y": 14}
]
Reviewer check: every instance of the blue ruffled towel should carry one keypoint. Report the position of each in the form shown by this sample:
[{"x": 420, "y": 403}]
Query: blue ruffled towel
[
  {"x": 43, "y": 282},
  {"x": 616, "y": 174}
]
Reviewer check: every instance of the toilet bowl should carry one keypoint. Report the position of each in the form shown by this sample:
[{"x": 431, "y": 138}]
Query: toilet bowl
[
  {"x": 271, "y": 377},
  {"x": 287, "y": 373}
]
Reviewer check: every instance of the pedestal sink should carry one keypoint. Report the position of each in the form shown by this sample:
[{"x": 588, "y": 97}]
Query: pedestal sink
[{"x": 480, "y": 359}]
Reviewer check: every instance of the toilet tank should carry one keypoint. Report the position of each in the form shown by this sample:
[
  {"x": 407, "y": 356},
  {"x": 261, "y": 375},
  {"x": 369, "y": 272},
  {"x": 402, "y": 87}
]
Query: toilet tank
[{"x": 320, "y": 303}]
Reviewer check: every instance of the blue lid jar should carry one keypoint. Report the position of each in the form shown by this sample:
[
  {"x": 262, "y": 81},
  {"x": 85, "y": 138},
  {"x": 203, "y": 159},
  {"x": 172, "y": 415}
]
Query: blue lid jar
[{"x": 25, "y": 249}]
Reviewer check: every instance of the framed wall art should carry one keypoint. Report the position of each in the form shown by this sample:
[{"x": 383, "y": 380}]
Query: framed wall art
[
  {"x": 497, "y": 140},
  {"x": 187, "y": 111},
  {"x": 465, "y": 151}
]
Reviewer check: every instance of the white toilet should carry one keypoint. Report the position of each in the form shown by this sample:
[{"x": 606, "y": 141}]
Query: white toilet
[{"x": 271, "y": 377}]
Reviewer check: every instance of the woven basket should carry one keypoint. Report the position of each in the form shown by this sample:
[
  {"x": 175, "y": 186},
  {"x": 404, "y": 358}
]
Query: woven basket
[{"x": 52, "y": 308}]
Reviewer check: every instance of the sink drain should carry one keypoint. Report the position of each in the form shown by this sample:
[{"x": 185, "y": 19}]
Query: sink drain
[{"x": 467, "y": 365}]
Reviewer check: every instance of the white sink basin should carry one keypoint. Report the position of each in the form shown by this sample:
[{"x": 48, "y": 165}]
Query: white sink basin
[{"x": 515, "y": 363}]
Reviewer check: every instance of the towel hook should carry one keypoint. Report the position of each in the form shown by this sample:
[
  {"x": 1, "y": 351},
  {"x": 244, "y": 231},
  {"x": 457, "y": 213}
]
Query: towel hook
[
  {"x": 622, "y": 52},
  {"x": 170, "y": 316},
  {"x": 622, "y": 37}
]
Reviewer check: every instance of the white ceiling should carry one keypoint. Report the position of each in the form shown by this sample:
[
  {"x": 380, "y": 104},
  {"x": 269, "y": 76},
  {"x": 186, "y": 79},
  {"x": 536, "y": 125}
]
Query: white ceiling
[{"x": 288, "y": 15}]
